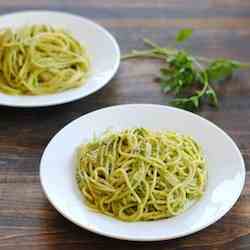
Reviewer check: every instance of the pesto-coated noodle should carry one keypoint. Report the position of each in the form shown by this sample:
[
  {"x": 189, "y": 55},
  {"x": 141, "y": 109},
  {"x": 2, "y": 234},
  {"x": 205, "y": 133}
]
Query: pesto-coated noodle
[
  {"x": 138, "y": 174},
  {"x": 40, "y": 59}
]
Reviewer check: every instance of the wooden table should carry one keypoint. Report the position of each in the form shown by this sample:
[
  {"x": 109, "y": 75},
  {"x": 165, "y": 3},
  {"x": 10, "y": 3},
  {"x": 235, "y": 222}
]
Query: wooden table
[{"x": 27, "y": 220}]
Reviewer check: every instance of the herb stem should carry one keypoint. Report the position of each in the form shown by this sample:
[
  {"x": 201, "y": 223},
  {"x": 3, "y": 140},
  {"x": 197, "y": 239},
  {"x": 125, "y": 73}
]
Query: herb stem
[
  {"x": 150, "y": 43},
  {"x": 205, "y": 85},
  {"x": 201, "y": 68},
  {"x": 143, "y": 55}
]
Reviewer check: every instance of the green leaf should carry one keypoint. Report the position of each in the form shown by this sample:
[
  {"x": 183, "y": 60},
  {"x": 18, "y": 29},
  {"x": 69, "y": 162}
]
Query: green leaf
[
  {"x": 191, "y": 103},
  {"x": 183, "y": 35},
  {"x": 221, "y": 69},
  {"x": 212, "y": 97},
  {"x": 195, "y": 101},
  {"x": 165, "y": 71},
  {"x": 165, "y": 88}
]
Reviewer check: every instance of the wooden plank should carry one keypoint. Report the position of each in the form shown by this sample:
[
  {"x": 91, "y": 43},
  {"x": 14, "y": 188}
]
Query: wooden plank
[
  {"x": 144, "y": 12},
  {"x": 29, "y": 220},
  {"x": 195, "y": 23},
  {"x": 131, "y": 3}
]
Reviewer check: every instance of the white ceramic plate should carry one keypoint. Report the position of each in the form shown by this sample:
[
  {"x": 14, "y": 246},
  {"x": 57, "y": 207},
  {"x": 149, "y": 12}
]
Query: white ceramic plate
[
  {"x": 226, "y": 171},
  {"x": 103, "y": 49}
]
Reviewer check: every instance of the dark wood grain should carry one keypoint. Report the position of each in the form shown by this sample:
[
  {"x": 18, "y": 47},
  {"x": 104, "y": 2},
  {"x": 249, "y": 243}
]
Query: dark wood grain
[{"x": 27, "y": 220}]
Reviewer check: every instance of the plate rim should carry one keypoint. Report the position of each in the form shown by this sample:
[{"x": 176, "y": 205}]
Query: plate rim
[
  {"x": 59, "y": 101},
  {"x": 141, "y": 238}
]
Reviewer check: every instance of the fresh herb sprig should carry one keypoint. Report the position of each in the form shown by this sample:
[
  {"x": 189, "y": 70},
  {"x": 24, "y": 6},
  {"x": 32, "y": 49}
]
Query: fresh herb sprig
[{"x": 189, "y": 77}]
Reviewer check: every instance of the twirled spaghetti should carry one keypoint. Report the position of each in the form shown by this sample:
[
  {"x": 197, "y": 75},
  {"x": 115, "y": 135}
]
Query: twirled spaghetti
[
  {"x": 138, "y": 174},
  {"x": 40, "y": 59}
]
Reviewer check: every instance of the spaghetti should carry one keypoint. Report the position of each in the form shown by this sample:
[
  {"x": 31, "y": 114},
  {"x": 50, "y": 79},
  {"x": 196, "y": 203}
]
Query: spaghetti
[
  {"x": 39, "y": 59},
  {"x": 138, "y": 174}
]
